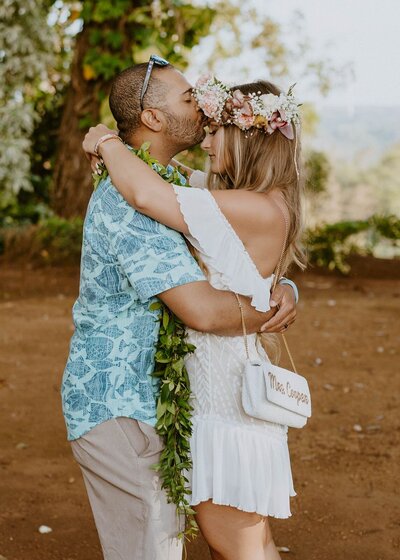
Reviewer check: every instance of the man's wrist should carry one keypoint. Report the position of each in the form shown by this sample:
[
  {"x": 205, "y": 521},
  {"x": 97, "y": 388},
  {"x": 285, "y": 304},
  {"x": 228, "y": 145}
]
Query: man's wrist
[{"x": 288, "y": 282}]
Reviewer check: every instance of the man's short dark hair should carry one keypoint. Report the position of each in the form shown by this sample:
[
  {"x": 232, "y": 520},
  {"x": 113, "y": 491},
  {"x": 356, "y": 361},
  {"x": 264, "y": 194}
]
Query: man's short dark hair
[{"x": 125, "y": 97}]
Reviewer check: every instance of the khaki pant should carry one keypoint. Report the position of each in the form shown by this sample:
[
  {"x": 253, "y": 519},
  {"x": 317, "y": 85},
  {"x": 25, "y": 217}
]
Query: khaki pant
[{"x": 132, "y": 516}]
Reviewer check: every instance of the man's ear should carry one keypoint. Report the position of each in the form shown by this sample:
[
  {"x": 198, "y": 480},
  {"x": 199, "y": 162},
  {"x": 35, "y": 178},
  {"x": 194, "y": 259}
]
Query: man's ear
[{"x": 151, "y": 119}]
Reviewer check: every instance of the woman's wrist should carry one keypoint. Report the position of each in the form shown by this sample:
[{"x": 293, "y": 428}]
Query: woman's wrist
[
  {"x": 285, "y": 281},
  {"x": 101, "y": 141}
]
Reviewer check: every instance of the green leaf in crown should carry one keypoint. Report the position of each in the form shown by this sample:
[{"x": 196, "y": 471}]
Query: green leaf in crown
[{"x": 174, "y": 410}]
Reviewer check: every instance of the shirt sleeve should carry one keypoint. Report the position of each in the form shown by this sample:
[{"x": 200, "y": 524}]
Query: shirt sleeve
[{"x": 153, "y": 257}]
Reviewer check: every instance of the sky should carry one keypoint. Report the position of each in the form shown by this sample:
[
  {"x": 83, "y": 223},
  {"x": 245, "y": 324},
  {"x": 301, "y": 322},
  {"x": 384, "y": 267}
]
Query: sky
[{"x": 363, "y": 34}]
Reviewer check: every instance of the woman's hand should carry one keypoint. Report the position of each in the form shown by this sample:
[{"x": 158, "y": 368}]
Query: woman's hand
[
  {"x": 89, "y": 142},
  {"x": 285, "y": 302},
  {"x": 94, "y": 134}
]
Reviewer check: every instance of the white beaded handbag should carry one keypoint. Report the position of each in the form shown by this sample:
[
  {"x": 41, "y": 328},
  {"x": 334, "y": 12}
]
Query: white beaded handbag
[{"x": 270, "y": 392}]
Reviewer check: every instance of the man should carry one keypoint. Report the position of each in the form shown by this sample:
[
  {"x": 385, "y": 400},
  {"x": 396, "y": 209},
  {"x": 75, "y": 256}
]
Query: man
[{"x": 128, "y": 260}]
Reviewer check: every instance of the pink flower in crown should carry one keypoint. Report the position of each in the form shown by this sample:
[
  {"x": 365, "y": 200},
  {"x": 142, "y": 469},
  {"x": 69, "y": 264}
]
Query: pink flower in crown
[
  {"x": 247, "y": 109},
  {"x": 233, "y": 104},
  {"x": 278, "y": 121},
  {"x": 243, "y": 120},
  {"x": 238, "y": 98},
  {"x": 244, "y": 116},
  {"x": 209, "y": 104}
]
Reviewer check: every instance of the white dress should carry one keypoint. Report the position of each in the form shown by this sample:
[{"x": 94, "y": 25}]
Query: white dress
[{"x": 237, "y": 460}]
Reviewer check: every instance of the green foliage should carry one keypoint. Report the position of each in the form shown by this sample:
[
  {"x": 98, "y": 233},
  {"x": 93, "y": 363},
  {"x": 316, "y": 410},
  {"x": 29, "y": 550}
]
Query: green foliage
[
  {"x": 195, "y": 158},
  {"x": 25, "y": 53},
  {"x": 52, "y": 240},
  {"x": 29, "y": 202},
  {"x": 330, "y": 245},
  {"x": 48, "y": 106},
  {"x": 317, "y": 168},
  {"x": 60, "y": 240},
  {"x": 174, "y": 413},
  {"x": 103, "y": 10},
  {"x": 122, "y": 32},
  {"x": 21, "y": 209},
  {"x": 387, "y": 226}
]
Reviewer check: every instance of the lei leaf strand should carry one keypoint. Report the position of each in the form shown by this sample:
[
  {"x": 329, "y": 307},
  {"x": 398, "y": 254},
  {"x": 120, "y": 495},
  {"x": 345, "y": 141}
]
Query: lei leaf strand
[
  {"x": 174, "y": 414},
  {"x": 174, "y": 410}
]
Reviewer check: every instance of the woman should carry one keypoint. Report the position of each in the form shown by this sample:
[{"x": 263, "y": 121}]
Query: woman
[{"x": 241, "y": 467}]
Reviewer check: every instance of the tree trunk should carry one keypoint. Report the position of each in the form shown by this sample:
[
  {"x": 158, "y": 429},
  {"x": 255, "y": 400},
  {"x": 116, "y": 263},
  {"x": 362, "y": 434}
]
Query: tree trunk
[{"x": 72, "y": 185}]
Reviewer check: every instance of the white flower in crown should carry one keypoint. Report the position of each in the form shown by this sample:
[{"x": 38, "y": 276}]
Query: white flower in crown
[
  {"x": 269, "y": 102},
  {"x": 276, "y": 112}
]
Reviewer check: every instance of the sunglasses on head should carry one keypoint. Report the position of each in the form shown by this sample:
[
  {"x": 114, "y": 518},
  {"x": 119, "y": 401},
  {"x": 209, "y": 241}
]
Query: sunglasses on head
[{"x": 153, "y": 60}]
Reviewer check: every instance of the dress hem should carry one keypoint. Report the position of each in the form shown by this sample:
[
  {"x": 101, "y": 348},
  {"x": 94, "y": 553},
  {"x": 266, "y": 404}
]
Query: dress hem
[{"x": 242, "y": 508}]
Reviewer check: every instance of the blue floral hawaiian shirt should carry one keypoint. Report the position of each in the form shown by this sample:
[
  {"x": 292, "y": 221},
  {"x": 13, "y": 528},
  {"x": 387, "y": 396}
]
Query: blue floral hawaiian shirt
[{"x": 127, "y": 259}]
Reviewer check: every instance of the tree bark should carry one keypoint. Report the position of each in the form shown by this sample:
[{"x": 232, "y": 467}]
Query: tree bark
[{"x": 72, "y": 185}]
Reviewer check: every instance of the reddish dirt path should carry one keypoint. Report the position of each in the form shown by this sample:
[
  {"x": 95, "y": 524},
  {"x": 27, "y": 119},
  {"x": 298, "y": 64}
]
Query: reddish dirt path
[{"x": 345, "y": 463}]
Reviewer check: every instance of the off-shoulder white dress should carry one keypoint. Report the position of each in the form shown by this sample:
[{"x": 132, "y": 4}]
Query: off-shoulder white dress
[{"x": 237, "y": 460}]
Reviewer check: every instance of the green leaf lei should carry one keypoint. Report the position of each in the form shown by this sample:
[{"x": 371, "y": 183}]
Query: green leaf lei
[{"x": 173, "y": 407}]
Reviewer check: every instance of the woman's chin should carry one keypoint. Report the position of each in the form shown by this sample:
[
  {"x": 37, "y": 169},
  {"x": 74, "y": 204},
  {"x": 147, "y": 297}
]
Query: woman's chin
[{"x": 215, "y": 168}]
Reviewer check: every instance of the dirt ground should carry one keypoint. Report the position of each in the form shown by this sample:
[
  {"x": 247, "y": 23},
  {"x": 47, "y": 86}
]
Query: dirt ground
[{"x": 345, "y": 462}]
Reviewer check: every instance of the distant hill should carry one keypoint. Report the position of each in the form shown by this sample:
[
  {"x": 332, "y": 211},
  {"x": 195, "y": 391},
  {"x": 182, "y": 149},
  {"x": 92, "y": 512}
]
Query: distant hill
[{"x": 362, "y": 135}]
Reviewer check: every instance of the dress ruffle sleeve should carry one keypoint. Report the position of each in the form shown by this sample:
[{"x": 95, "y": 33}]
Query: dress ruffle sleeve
[
  {"x": 213, "y": 236},
  {"x": 198, "y": 179}
]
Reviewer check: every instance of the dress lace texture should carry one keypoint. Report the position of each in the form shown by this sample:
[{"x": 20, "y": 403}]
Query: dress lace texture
[{"x": 237, "y": 460}]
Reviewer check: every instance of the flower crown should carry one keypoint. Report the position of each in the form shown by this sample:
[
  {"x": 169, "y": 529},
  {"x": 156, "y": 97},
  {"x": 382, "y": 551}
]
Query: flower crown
[{"x": 268, "y": 112}]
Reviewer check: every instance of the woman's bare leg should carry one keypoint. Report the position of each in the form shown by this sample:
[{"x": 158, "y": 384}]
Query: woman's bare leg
[{"x": 232, "y": 534}]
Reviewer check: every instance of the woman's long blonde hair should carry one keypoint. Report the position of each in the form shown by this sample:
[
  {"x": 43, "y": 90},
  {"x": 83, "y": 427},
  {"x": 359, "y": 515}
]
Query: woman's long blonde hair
[{"x": 260, "y": 162}]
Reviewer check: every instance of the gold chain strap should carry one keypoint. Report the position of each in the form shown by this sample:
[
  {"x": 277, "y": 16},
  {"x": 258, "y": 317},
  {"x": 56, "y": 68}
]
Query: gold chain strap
[
  {"x": 277, "y": 271},
  {"x": 289, "y": 353},
  {"x": 243, "y": 325},
  {"x": 279, "y": 265}
]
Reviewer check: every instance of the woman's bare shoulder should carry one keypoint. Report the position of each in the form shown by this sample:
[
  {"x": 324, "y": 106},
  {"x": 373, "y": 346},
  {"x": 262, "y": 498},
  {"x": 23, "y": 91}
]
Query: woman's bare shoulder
[{"x": 253, "y": 211}]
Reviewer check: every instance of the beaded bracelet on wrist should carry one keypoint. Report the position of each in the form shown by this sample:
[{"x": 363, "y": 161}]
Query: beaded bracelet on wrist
[{"x": 102, "y": 139}]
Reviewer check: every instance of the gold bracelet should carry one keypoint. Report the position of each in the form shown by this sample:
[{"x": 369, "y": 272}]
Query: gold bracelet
[{"x": 104, "y": 138}]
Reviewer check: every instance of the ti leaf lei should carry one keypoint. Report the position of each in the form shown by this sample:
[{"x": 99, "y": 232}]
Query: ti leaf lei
[{"x": 174, "y": 410}]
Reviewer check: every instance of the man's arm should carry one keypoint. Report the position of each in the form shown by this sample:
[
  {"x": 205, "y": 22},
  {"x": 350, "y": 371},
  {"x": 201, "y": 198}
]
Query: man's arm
[
  {"x": 203, "y": 308},
  {"x": 156, "y": 262}
]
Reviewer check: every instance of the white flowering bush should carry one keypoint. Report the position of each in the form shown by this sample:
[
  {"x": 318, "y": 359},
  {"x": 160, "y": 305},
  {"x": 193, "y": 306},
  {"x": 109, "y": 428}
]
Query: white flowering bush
[{"x": 25, "y": 54}]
